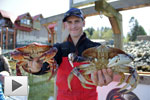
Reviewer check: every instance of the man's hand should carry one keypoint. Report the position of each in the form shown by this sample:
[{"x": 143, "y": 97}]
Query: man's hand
[
  {"x": 102, "y": 77},
  {"x": 35, "y": 65}
]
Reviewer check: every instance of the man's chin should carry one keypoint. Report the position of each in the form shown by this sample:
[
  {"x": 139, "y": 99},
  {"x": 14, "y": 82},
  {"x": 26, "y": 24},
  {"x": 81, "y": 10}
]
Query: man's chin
[{"x": 75, "y": 34}]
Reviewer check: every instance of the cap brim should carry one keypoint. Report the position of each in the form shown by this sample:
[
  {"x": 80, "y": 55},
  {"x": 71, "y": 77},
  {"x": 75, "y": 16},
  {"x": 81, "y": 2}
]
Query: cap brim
[{"x": 65, "y": 19}]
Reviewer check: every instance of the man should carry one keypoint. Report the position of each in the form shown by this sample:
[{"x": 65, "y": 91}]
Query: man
[{"x": 76, "y": 43}]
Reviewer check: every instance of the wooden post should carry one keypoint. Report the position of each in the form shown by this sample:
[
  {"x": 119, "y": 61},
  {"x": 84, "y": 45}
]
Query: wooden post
[
  {"x": 118, "y": 31},
  {"x": 59, "y": 32},
  {"x": 49, "y": 32},
  {"x": 58, "y": 40},
  {"x": 115, "y": 19},
  {"x": 6, "y": 41},
  {"x": 118, "y": 41},
  {"x": 2, "y": 38},
  {"x": 14, "y": 39}
]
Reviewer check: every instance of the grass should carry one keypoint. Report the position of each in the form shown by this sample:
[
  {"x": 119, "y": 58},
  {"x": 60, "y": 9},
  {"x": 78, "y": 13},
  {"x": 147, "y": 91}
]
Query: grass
[{"x": 40, "y": 87}]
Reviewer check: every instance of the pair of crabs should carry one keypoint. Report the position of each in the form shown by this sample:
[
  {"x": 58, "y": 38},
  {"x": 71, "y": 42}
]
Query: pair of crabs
[
  {"x": 103, "y": 57},
  {"x": 96, "y": 58},
  {"x": 44, "y": 53}
]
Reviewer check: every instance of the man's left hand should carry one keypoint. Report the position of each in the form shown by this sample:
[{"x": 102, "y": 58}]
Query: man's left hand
[{"x": 102, "y": 77}]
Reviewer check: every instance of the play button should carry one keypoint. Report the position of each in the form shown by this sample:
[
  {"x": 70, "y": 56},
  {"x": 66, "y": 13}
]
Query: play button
[{"x": 15, "y": 85}]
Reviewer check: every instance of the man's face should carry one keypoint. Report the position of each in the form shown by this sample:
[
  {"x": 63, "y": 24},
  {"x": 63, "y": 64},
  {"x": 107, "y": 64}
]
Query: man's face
[{"x": 75, "y": 26}]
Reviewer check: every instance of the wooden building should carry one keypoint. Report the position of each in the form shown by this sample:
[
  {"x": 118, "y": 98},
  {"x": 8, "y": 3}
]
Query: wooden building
[{"x": 29, "y": 29}]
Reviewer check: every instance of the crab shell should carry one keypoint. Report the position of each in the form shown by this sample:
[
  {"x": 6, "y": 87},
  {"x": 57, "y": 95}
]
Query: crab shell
[
  {"x": 95, "y": 51},
  {"x": 34, "y": 49}
]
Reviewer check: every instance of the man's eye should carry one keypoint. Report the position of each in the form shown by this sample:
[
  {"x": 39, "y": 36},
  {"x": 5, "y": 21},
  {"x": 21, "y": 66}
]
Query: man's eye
[
  {"x": 77, "y": 21},
  {"x": 69, "y": 22}
]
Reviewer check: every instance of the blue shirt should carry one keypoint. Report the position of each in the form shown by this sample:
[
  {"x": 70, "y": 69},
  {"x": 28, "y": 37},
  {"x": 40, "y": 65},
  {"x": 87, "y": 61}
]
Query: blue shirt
[{"x": 1, "y": 92}]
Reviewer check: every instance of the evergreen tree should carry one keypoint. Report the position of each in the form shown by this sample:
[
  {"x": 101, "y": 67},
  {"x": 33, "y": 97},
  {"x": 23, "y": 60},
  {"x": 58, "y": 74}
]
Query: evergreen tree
[
  {"x": 136, "y": 29},
  {"x": 89, "y": 31}
]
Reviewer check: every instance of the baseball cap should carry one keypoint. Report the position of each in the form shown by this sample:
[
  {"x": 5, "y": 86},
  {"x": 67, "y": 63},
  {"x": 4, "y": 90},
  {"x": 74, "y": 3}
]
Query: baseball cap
[{"x": 73, "y": 12}]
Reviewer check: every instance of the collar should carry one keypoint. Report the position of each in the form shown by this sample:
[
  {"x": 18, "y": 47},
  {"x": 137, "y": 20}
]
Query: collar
[{"x": 83, "y": 36}]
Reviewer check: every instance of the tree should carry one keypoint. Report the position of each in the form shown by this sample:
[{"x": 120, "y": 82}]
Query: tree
[
  {"x": 107, "y": 33},
  {"x": 136, "y": 29},
  {"x": 102, "y": 33},
  {"x": 89, "y": 31}
]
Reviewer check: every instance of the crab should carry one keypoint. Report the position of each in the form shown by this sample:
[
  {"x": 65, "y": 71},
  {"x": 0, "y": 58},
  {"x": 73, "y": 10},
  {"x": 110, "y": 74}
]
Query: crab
[
  {"x": 24, "y": 54},
  {"x": 102, "y": 57}
]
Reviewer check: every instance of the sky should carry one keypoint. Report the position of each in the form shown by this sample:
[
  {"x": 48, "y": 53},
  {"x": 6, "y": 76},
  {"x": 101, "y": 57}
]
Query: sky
[{"x": 53, "y": 7}]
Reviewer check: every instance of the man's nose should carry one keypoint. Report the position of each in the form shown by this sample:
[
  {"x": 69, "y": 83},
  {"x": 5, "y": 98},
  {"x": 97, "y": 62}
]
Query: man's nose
[{"x": 73, "y": 25}]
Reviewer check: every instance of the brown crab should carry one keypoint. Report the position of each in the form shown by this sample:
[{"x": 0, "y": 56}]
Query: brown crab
[
  {"x": 101, "y": 57},
  {"x": 45, "y": 53}
]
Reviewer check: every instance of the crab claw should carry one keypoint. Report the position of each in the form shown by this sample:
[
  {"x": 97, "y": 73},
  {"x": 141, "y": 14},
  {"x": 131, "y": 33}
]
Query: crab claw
[
  {"x": 119, "y": 60},
  {"x": 71, "y": 57},
  {"x": 48, "y": 55}
]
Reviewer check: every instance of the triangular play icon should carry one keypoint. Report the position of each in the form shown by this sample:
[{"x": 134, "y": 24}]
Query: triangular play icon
[{"x": 15, "y": 85}]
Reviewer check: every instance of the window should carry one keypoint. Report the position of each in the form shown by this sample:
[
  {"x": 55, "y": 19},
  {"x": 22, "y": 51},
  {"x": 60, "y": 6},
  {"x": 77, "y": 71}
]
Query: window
[
  {"x": 39, "y": 18},
  {"x": 2, "y": 22},
  {"x": 26, "y": 22},
  {"x": 22, "y": 21}
]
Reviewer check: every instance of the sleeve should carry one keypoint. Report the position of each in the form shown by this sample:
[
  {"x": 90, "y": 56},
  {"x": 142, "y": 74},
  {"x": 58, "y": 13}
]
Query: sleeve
[
  {"x": 58, "y": 56},
  {"x": 45, "y": 67}
]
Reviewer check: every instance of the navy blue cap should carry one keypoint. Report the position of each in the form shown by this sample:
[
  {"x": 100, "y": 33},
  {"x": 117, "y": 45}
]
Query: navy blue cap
[{"x": 73, "y": 12}]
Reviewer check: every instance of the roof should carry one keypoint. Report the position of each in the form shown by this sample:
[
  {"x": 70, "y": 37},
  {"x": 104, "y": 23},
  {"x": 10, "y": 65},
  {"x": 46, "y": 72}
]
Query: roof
[
  {"x": 5, "y": 14},
  {"x": 23, "y": 15},
  {"x": 36, "y": 17},
  {"x": 8, "y": 15}
]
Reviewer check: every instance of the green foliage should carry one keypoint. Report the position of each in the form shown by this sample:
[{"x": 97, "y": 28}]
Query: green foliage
[
  {"x": 95, "y": 35},
  {"x": 136, "y": 29},
  {"x": 126, "y": 40},
  {"x": 103, "y": 33},
  {"x": 107, "y": 34},
  {"x": 89, "y": 31}
]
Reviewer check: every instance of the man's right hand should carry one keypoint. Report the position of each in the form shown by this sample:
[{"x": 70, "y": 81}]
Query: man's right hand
[{"x": 35, "y": 65}]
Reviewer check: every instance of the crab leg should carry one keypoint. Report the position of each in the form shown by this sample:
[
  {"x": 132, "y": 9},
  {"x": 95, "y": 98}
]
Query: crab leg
[
  {"x": 18, "y": 72},
  {"x": 121, "y": 70},
  {"x": 122, "y": 78},
  {"x": 76, "y": 72},
  {"x": 87, "y": 68},
  {"x": 53, "y": 67},
  {"x": 132, "y": 81}
]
